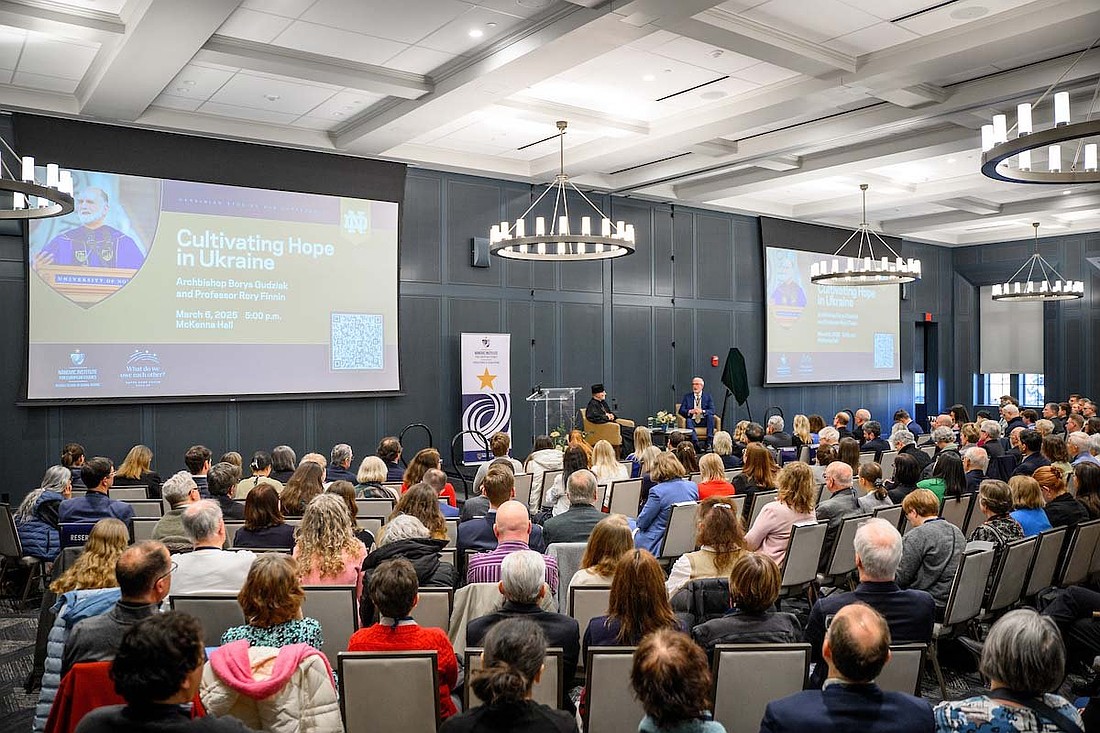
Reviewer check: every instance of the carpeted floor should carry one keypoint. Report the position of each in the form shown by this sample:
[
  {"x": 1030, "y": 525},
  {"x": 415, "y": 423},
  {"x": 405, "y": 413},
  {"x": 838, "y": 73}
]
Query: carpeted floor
[{"x": 17, "y": 631}]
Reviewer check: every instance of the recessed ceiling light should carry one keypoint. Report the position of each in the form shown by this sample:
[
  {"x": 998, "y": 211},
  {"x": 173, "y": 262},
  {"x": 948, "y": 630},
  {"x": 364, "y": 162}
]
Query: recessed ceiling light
[
  {"x": 476, "y": 33},
  {"x": 716, "y": 53},
  {"x": 1067, "y": 192},
  {"x": 185, "y": 90},
  {"x": 189, "y": 82},
  {"x": 969, "y": 13},
  {"x": 950, "y": 160},
  {"x": 649, "y": 77},
  {"x": 490, "y": 25},
  {"x": 272, "y": 97}
]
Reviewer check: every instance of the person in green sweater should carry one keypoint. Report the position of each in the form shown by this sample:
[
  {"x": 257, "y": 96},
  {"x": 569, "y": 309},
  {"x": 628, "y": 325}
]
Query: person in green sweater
[{"x": 948, "y": 478}]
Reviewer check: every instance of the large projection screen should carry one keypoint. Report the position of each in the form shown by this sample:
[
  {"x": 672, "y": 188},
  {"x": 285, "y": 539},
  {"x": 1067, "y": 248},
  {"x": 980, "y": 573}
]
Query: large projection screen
[
  {"x": 821, "y": 333},
  {"x": 157, "y": 288}
]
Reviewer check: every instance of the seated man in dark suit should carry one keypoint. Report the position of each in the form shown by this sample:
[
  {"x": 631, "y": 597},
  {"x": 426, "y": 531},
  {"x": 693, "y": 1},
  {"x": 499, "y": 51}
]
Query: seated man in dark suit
[
  {"x": 989, "y": 437},
  {"x": 840, "y": 422},
  {"x": 98, "y": 474},
  {"x": 855, "y": 649},
  {"x": 909, "y": 613},
  {"x": 339, "y": 465},
  {"x": 775, "y": 437},
  {"x": 873, "y": 442},
  {"x": 389, "y": 450},
  {"x": 522, "y": 584},
  {"x": 903, "y": 442},
  {"x": 197, "y": 459},
  {"x": 1031, "y": 442},
  {"x": 599, "y": 413},
  {"x": 221, "y": 480},
  {"x": 576, "y": 523},
  {"x": 697, "y": 409},
  {"x": 498, "y": 487},
  {"x": 975, "y": 461}
]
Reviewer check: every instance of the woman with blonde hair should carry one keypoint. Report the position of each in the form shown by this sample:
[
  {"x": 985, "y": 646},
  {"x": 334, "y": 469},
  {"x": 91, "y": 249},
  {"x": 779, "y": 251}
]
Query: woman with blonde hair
[
  {"x": 740, "y": 440},
  {"x": 758, "y": 474},
  {"x": 671, "y": 488},
  {"x": 306, "y": 482},
  {"x": 801, "y": 431},
  {"x": 723, "y": 448},
  {"x": 325, "y": 545},
  {"x": 420, "y": 501},
  {"x": 712, "y": 477},
  {"x": 795, "y": 503},
  {"x": 370, "y": 477},
  {"x": 610, "y": 538},
  {"x": 422, "y": 462},
  {"x": 1027, "y": 497},
  {"x": 135, "y": 471},
  {"x": 271, "y": 599},
  {"x": 649, "y": 459},
  {"x": 720, "y": 538},
  {"x": 604, "y": 464},
  {"x": 643, "y": 438},
  {"x": 88, "y": 588}
]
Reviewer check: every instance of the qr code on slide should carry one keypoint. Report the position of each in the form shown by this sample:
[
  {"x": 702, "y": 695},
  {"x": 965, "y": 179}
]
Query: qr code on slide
[
  {"x": 884, "y": 350},
  {"x": 357, "y": 341}
]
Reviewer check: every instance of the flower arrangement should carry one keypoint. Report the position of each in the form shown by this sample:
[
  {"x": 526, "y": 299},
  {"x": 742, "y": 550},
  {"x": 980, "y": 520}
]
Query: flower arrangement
[
  {"x": 663, "y": 419},
  {"x": 560, "y": 436}
]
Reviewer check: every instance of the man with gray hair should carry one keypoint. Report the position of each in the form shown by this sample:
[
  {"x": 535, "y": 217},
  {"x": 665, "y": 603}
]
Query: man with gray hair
[
  {"x": 909, "y": 613},
  {"x": 975, "y": 463},
  {"x": 576, "y": 523},
  {"x": 989, "y": 437},
  {"x": 1079, "y": 446},
  {"x": 828, "y": 435},
  {"x": 861, "y": 416},
  {"x": 209, "y": 567},
  {"x": 944, "y": 440},
  {"x": 521, "y": 584},
  {"x": 1013, "y": 420},
  {"x": 903, "y": 442},
  {"x": 339, "y": 465},
  {"x": 180, "y": 491},
  {"x": 775, "y": 437},
  {"x": 841, "y": 503},
  {"x": 221, "y": 482}
]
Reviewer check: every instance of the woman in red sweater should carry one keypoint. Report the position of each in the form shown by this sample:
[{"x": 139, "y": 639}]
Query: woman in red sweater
[
  {"x": 393, "y": 587},
  {"x": 422, "y": 462}
]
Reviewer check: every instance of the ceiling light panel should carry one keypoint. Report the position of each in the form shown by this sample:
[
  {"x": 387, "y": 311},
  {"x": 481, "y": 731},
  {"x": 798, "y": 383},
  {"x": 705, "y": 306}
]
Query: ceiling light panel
[
  {"x": 407, "y": 21},
  {"x": 252, "y": 90},
  {"x": 817, "y": 21},
  {"x": 338, "y": 43},
  {"x": 252, "y": 25}
]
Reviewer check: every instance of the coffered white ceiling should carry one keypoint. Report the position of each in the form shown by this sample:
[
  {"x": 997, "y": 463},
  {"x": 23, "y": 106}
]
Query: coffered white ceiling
[{"x": 779, "y": 107}]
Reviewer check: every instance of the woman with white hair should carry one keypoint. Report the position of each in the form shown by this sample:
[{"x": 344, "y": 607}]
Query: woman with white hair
[
  {"x": 407, "y": 537},
  {"x": 36, "y": 518},
  {"x": 1024, "y": 660}
]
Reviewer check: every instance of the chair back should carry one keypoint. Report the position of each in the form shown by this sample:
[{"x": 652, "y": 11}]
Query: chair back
[
  {"x": 887, "y": 462},
  {"x": 334, "y": 607},
  {"x": 902, "y": 672},
  {"x": 376, "y": 507},
  {"x": 568, "y": 556},
  {"x": 449, "y": 555},
  {"x": 842, "y": 558},
  {"x": 586, "y": 602},
  {"x": 231, "y": 527},
  {"x": 434, "y": 607},
  {"x": 803, "y": 554},
  {"x": 147, "y": 507},
  {"x": 1044, "y": 564},
  {"x": 74, "y": 534},
  {"x": 1011, "y": 574},
  {"x": 804, "y": 454},
  {"x": 523, "y": 488},
  {"x": 144, "y": 526},
  {"x": 964, "y": 602},
  {"x": 732, "y": 473},
  {"x": 749, "y": 676},
  {"x": 929, "y": 450},
  {"x": 452, "y": 532},
  {"x": 759, "y": 500},
  {"x": 217, "y": 612},
  {"x": 375, "y": 686},
  {"x": 128, "y": 493},
  {"x": 548, "y": 477},
  {"x": 680, "y": 530},
  {"x": 624, "y": 497},
  {"x": 695, "y": 477},
  {"x": 1078, "y": 555},
  {"x": 891, "y": 514},
  {"x": 866, "y": 457},
  {"x": 10, "y": 546},
  {"x": 612, "y": 707},
  {"x": 957, "y": 511},
  {"x": 371, "y": 524},
  {"x": 547, "y": 691}
]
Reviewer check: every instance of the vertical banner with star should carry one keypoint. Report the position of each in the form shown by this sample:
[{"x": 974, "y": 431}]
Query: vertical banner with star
[{"x": 486, "y": 387}]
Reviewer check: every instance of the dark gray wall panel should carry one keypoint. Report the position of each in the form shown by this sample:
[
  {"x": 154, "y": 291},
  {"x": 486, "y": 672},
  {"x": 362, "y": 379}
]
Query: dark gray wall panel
[
  {"x": 545, "y": 353},
  {"x": 714, "y": 257},
  {"x": 748, "y": 261},
  {"x": 178, "y": 427},
  {"x": 517, "y": 322},
  {"x": 422, "y": 228},
  {"x": 423, "y": 364},
  {"x": 664, "y": 374},
  {"x": 632, "y": 357},
  {"x": 472, "y": 207},
  {"x": 105, "y": 431},
  {"x": 582, "y": 347},
  {"x": 264, "y": 425},
  {"x": 683, "y": 248},
  {"x": 634, "y": 274}
]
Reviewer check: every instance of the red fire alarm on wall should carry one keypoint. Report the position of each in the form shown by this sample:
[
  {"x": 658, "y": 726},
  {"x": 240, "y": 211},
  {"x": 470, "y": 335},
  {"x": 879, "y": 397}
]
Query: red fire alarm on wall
[
  {"x": 714, "y": 361},
  {"x": 927, "y": 317}
]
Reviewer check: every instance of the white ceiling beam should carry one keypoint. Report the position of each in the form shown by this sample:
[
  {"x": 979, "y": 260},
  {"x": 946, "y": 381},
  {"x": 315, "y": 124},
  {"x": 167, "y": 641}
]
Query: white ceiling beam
[
  {"x": 716, "y": 148},
  {"x": 730, "y": 32},
  {"x": 62, "y": 20},
  {"x": 912, "y": 97},
  {"x": 238, "y": 53},
  {"x": 922, "y": 193},
  {"x": 539, "y": 110},
  {"x": 161, "y": 38},
  {"x": 971, "y": 204},
  {"x": 1028, "y": 207},
  {"x": 556, "y": 42},
  {"x": 779, "y": 163},
  {"x": 226, "y": 128}
]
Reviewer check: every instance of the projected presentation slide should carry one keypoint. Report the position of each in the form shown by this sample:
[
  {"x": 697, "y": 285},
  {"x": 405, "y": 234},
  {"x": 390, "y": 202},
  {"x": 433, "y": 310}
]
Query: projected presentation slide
[
  {"x": 157, "y": 288},
  {"x": 819, "y": 333}
]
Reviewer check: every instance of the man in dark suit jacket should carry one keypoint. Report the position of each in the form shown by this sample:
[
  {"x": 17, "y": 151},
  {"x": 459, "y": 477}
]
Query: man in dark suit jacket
[
  {"x": 873, "y": 440},
  {"x": 389, "y": 450},
  {"x": 842, "y": 502},
  {"x": 975, "y": 461},
  {"x": 856, "y": 649},
  {"x": 478, "y": 534},
  {"x": 902, "y": 441},
  {"x": 840, "y": 422},
  {"x": 600, "y": 413},
  {"x": 521, "y": 583},
  {"x": 1031, "y": 442},
  {"x": 775, "y": 437},
  {"x": 909, "y": 613},
  {"x": 576, "y": 524},
  {"x": 697, "y": 408},
  {"x": 99, "y": 475}
]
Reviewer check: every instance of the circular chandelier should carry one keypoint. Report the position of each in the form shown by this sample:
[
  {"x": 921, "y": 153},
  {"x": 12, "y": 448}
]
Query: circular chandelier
[
  {"x": 30, "y": 199},
  {"x": 999, "y": 152},
  {"x": 1044, "y": 289},
  {"x": 863, "y": 267},
  {"x": 561, "y": 241}
]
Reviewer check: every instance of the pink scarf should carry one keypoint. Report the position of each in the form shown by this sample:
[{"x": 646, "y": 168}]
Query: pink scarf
[{"x": 233, "y": 666}]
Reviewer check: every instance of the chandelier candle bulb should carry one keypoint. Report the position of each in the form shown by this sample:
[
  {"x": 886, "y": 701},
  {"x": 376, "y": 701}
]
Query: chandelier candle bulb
[
  {"x": 542, "y": 246},
  {"x": 521, "y": 228},
  {"x": 53, "y": 175},
  {"x": 1054, "y": 158},
  {"x": 494, "y": 233},
  {"x": 1023, "y": 119},
  {"x": 1025, "y": 160},
  {"x": 987, "y": 138},
  {"x": 540, "y": 228},
  {"x": 19, "y": 201},
  {"x": 1000, "y": 129},
  {"x": 605, "y": 228},
  {"x": 1061, "y": 109},
  {"x": 630, "y": 232},
  {"x": 1090, "y": 157},
  {"x": 586, "y": 226},
  {"x": 504, "y": 229},
  {"x": 620, "y": 229},
  {"x": 563, "y": 226},
  {"x": 28, "y": 169}
]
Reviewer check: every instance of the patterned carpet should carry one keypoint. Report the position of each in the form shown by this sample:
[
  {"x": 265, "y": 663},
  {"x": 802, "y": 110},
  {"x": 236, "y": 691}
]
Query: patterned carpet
[{"x": 17, "y": 632}]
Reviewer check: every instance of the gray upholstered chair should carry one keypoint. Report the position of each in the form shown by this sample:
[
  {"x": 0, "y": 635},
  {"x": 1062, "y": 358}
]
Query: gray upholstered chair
[{"x": 389, "y": 692}]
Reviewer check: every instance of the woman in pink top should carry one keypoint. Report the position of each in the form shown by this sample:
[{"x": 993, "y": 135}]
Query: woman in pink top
[
  {"x": 325, "y": 545},
  {"x": 772, "y": 529},
  {"x": 712, "y": 481}
]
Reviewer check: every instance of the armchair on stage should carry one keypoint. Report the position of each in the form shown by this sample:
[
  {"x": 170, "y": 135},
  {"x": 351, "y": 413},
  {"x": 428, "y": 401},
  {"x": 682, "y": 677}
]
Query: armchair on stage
[
  {"x": 700, "y": 432},
  {"x": 609, "y": 431}
]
